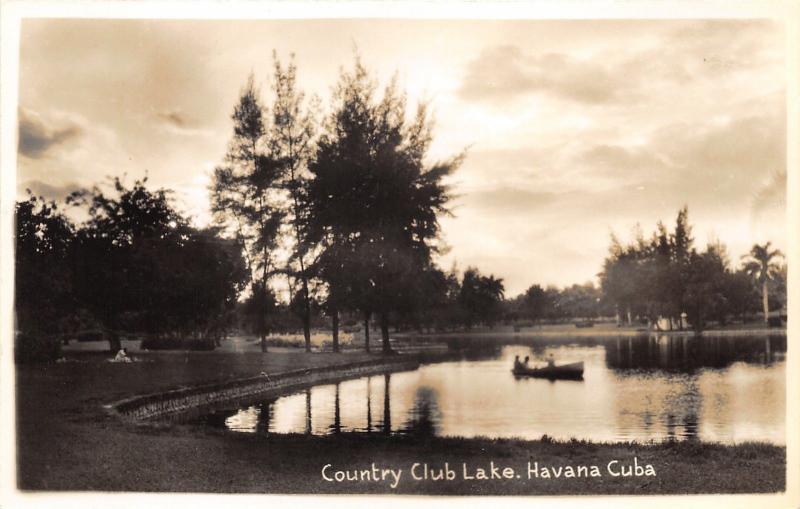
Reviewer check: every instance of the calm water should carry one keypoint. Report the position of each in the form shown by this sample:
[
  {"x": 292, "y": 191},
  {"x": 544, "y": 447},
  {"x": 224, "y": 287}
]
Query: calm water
[{"x": 711, "y": 389}]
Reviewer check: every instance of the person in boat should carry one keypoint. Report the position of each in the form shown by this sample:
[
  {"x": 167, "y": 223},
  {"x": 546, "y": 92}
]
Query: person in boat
[
  {"x": 551, "y": 363},
  {"x": 517, "y": 363},
  {"x": 527, "y": 358}
]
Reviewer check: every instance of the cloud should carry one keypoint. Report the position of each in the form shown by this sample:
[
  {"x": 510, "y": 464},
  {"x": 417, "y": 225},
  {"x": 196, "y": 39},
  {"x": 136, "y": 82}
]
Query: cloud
[
  {"x": 503, "y": 73},
  {"x": 771, "y": 194},
  {"x": 681, "y": 53},
  {"x": 38, "y": 137},
  {"x": 617, "y": 161},
  {"x": 510, "y": 200},
  {"x": 723, "y": 158},
  {"x": 173, "y": 117},
  {"x": 176, "y": 122},
  {"x": 49, "y": 191}
]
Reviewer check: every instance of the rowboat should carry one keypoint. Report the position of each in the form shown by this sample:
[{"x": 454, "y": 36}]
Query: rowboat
[{"x": 572, "y": 371}]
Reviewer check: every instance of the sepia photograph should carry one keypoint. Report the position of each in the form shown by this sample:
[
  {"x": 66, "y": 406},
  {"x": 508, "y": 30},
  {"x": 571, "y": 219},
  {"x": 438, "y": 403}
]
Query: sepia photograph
[{"x": 399, "y": 256}]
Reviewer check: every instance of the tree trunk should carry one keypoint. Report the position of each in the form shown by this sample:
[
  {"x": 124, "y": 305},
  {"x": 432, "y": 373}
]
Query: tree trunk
[
  {"x": 385, "y": 333},
  {"x": 335, "y": 320},
  {"x": 114, "y": 344},
  {"x": 366, "y": 333},
  {"x": 306, "y": 315},
  {"x": 765, "y": 301}
]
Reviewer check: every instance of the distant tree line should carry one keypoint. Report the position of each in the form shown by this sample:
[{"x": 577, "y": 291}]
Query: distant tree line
[
  {"x": 665, "y": 278},
  {"x": 664, "y": 282},
  {"x": 539, "y": 305}
]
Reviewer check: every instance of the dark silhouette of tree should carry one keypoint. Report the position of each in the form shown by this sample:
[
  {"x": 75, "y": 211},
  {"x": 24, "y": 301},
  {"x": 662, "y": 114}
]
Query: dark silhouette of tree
[
  {"x": 258, "y": 307},
  {"x": 480, "y": 298},
  {"x": 667, "y": 276},
  {"x": 373, "y": 204},
  {"x": 649, "y": 278},
  {"x": 207, "y": 274},
  {"x": 760, "y": 264},
  {"x": 438, "y": 305},
  {"x": 704, "y": 295},
  {"x": 290, "y": 139},
  {"x": 115, "y": 275},
  {"x": 741, "y": 293},
  {"x": 682, "y": 250},
  {"x": 620, "y": 278},
  {"x": 242, "y": 191},
  {"x": 535, "y": 303},
  {"x": 139, "y": 266},
  {"x": 43, "y": 291}
]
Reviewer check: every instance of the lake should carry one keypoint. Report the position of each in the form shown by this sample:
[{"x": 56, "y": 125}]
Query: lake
[{"x": 645, "y": 388}]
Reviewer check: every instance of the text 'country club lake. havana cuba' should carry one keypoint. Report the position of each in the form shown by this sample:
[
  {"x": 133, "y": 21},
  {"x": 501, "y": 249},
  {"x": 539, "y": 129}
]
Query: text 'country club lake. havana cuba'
[{"x": 728, "y": 390}]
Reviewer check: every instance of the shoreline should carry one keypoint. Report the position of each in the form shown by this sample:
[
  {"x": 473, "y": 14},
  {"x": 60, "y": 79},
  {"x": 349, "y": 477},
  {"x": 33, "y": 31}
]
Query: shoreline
[
  {"x": 67, "y": 440},
  {"x": 153, "y": 406},
  {"x": 599, "y": 333}
]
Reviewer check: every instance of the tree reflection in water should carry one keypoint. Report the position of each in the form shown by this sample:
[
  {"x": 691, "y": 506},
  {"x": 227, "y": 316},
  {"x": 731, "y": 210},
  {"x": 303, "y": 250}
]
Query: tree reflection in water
[
  {"x": 635, "y": 388},
  {"x": 687, "y": 354},
  {"x": 387, "y": 409},
  {"x": 424, "y": 417}
]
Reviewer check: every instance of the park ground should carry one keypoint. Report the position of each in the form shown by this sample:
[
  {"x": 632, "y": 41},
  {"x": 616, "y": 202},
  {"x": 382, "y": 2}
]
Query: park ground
[
  {"x": 353, "y": 342},
  {"x": 67, "y": 441}
]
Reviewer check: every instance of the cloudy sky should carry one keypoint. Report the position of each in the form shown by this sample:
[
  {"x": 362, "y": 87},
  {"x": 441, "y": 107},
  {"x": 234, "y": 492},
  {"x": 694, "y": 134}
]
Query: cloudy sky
[{"x": 574, "y": 129}]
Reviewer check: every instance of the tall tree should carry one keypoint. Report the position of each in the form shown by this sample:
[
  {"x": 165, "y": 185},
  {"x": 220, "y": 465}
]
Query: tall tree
[
  {"x": 243, "y": 192},
  {"x": 290, "y": 145},
  {"x": 374, "y": 202},
  {"x": 761, "y": 265}
]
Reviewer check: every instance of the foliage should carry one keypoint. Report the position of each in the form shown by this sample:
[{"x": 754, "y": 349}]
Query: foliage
[
  {"x": 373, "y": 203},
  {"x": 761, "y": 266},
  {"x": 43, "y": 291},
  {"x": 30, "y": 349},
  {"x": 480, "y": 298},
  {"x": 667, "y": 277},
  {"x": 290, "y": 138},
  {"x": 135, "y": 264},
  {"x": 243, "y": 198}
]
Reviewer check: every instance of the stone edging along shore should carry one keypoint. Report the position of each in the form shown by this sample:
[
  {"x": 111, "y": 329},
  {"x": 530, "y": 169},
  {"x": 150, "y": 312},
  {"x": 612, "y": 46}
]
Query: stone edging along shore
[{"x": 150, "y": 406}]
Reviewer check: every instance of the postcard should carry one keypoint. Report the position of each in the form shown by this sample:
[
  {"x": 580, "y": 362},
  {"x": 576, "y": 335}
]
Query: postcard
[{"x": 507, "y": 254}]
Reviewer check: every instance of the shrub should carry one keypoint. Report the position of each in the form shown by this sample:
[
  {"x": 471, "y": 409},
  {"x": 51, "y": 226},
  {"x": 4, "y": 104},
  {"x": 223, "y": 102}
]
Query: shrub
[
  {"x": 286, "y": 343},
  {"x": 91, "y": 335},
  {"x": 177, "y": 344},
  {"x": 30, "y": 349}
]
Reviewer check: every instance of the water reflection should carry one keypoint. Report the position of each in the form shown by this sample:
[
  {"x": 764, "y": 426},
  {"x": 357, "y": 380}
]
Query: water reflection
[
  {"x": 387, "y": 406},
  {"x": 689, "y": 353},
  {"x": 308, "y": 411},
  {"x": 649, "y": 388},
  {"x": 424, "y": 416}
]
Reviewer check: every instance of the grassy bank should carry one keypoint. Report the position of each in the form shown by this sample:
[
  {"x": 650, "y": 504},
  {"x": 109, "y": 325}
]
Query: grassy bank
[{"x": 67, "y": 442}]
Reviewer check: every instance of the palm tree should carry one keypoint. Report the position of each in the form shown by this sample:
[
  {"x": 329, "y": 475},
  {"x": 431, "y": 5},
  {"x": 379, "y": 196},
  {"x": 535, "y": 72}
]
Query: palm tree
[{"x": 761, "y": 266}]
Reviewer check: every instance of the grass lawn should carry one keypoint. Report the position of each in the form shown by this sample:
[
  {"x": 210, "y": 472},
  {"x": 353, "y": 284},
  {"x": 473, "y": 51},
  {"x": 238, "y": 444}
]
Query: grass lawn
[{"x": 67, "y": 442}]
